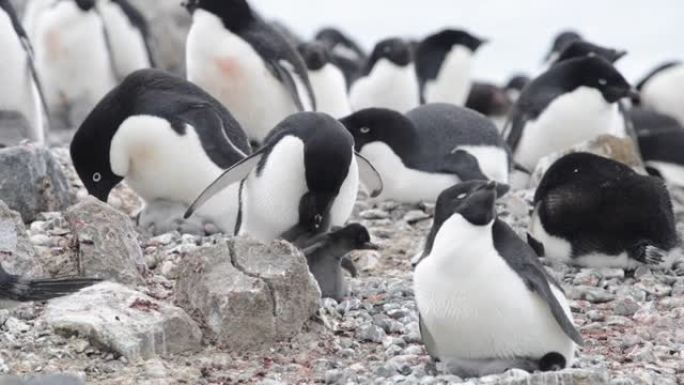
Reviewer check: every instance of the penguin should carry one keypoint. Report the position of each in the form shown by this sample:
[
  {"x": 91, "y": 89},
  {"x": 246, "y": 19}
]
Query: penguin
[
  {"x": 560, "y": 43},
  {"x": 429, "y": 149},
  {"x": 327, "y": 255},
  {"x": 300, "y": 183},
  {"x": 162, "y": 216},
  {"x": 128, "y": 36},
  {"x": 345, "y": 53},
  {"x": 73, "y": 60},
  {"x": 485, "y": 302},
  {"x": 165, "y": 137},
  {"x": 22, "y": 104},
  {"x": 389, "y": 79},
  {"x": 595, "y": 212},
  {"x": 246, "y": 64},
  {"x": 491, "y": 101},
  {"x": 582, "y": 48},
  {"x": 327, "y": 80},
  {"x": 515, "y": 85},
  {"x": 15, "y": 289},
  {"x": 444, "y": 66},
  {"x": 662, "y": 90},
  {"x": 574, "y": 101},
  {"x": 661, "y": 138}
]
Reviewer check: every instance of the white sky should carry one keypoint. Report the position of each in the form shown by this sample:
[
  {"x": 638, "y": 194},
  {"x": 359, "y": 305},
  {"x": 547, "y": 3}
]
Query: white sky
[{"x": 520, "y": 31}]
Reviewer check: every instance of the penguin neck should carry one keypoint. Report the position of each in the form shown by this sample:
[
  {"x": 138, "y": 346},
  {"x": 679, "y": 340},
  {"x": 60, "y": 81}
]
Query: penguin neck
[{"x": 460, "y": 244}]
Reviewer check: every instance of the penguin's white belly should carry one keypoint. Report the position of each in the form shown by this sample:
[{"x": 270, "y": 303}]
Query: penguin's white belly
[
  {"x": 493, "y": 161},
  {"x": 570, "y": 119},
  {"x": 330, "y": 89},
  {"x": 127, "y": 43},
  {"x": 342, "y": 207},
  {"x": 231, "y": 71},
  {"x": 672, "y": 172},
  {"x": 453, "y": 82},
  {"x": 476, "y": 307},
  {"x": 665, "y": 93},
  {"x": 387, "y": 86},
  {"x": 158, "y": 163}
]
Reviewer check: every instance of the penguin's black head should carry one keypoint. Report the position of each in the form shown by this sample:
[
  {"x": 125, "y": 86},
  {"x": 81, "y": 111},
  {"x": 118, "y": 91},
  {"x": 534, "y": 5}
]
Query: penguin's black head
[
  {"x": 561, "y": 42},
  {"x": 397, "y": 51},
  {"x": 235, "y": 14},
  {"x": 381, "y": 125},
  {"x": 352, "y": 237},
  {"x": 489, "y": 100},
  {"x": 581, "y": 48},
  {"x": 85, "y": 5},
  {"x": 90, "y": 156},
  {"x": 315, "y": 55},
  {"x": 598, "y": 73},
  {"x": 449, "y": 38}
]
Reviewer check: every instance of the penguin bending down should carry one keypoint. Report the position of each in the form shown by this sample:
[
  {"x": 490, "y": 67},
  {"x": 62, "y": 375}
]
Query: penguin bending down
[
  {"x": 485, "y": 302},
  {"x": 302, "y": 181},
  {"x": 246, "y": 64},
  {"x": 574, "y": 101},
  {"x": 444, "y": 66},
  {"x": 22, "y": 106},
  {"x": 661, "y": 140},
  {"x": 327, "y": 80},
  {"x": 429, "y": 149},
  {"x": 596, "y": 212},
  {"x": 345, "y": 53},
  {"x": 389, "y": 80},
  {"x": 166, "y": 138},
  {"x": 663, "y": 90}
]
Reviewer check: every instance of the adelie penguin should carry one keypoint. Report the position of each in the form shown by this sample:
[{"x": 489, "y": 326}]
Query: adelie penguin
[
  {"x": 345, "y": 53},
  {"x": 582, "y": 48},
  {"x": 389, "y": 79},
  {"x": 327, "y": 80},
  {"x": 444, "y": 66},
  {"x": 246, "y": 64},
  {"x": 596, "y": 212},
  {"x": 661, "y": 140},
  {"x": 429, "y": 149},
  {"x": 560, "y": 43},
  {"x": 574, "y": 101},
  {"x": 328, "y": 254},
  {"x": 662, "y": 90},
  {"x": 166, "y": 138},
  {"x": 485, "y": 302},
  {"x": 22, "y": 107},
  {"x": 302, "y": 181}
]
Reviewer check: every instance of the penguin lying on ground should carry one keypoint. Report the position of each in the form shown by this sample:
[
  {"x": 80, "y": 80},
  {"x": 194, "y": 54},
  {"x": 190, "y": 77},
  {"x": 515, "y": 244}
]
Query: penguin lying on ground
[{"x": 485, "y": 302}]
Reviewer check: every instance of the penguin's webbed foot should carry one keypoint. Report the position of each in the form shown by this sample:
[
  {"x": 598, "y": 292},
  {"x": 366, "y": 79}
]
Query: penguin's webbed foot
[{"x": 647, "y": 253}]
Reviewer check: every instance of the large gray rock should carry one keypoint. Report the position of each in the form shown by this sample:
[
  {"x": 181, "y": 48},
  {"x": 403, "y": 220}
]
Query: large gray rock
[
  {"x": 31, "y": 181},
  {"x": 248, "y": 294},
  {"x": 16, "y": 252},
  {"x": 108, "y": 244},
  {"x": 42, "y": 379},
  {"x": 125, "y": 321}
]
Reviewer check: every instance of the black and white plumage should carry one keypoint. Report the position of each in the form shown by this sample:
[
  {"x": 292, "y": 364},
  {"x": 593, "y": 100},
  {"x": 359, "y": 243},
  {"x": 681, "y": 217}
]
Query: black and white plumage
[
  {"x": 301, "y": 182},
  {"x": 486, "y": 304},
  {"x": 661, "y": 139},
  {"x": 246, "y": 64},
  {"x": 582, "y": 48},
  {"x": 22, "y": 106},
  {"x": 345, "y": 53},
  {"x": 574, "y": 101},
  {"x": 327, "y": 80},
  {"x": 560, "y": 43},
  {"x": 166, "y": 137},
  {"x": 662, "y": 90},
  {"x": 594, "y": 211},
  {"x": 444, "y": 66},
  {"x": 429, "y": 149}
]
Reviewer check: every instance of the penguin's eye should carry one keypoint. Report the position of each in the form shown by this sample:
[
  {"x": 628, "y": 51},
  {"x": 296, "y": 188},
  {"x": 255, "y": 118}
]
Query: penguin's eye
[
  {"x": 97, "y": 177},
  {"x": 365, "y": 130},
  {"x": 603, "y": 82},
  {"x": 575, "y": 170},
  {"x": 462, "y": 195}
]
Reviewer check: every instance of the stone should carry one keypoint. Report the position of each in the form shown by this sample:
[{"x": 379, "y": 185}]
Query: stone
[
  {"x": 17, "y": 255},
  {"x": 371, "y": 333},
  {"x": 108, "y": 244},
  {"x": 43, "y": 379},
  {"x": 626, "y": 307},
  {"x": 124, "y": 321},
  {"x": 32, "y": 181}
]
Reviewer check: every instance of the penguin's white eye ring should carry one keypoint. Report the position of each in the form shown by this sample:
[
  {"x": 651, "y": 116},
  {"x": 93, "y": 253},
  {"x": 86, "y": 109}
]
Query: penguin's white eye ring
[
  {"x": 575, "y": 170},
  {"x": 602, "y": 82},
  {"x": 365, "y": 130},
  {"x": 97, "y": 177},
  {"x": 462, "y": 195}
]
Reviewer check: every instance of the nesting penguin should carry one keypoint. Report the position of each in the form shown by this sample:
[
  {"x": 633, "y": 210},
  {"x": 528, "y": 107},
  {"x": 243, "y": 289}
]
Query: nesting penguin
[
  {"x": 596, "y": 212},
  {"x": 444, "y": 66},
  {"x": 327, "y": 80},
  {"x": 429, "y": 149},
  {"x": 574, "y": 101},
  {"x": 661, "y": 140},
  {"x": 485, "y": 302},
  {"x": 22, "y": 108},
  {"x": 166, "y": 138},
  {"x": 327, "y": 255},
  {"x": 662, "y": 90},
  {"x": 300, "y": 183},
  {"x": 389, "y": 79},
  {"x": 246, "y": 64}
]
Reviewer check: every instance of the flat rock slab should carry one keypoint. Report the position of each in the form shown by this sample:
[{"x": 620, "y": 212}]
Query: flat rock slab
[
  {"x": 108, "y": 244},
  {"x": 124, "y": 321},
  {"x": 32, "y": 181},
  {"x": 43, "y": 379},
  {"x": 17, "y": 255}
]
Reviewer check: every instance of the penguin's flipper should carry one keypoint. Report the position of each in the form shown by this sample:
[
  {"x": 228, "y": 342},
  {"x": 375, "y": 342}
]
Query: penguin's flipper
[
  {"x": 464, "y": 165},
  {"x": 285, "y": 77},
  {"x": 233, "y": 175},
  {"x": 428, "y": 340},
  {"x": 24, "y": 290},
  {"x": 537, "y": 246},
  {"x": 369, "y": 175},
  {"x": 349, "y": 265},
  {"x": 522, "y": 259}
]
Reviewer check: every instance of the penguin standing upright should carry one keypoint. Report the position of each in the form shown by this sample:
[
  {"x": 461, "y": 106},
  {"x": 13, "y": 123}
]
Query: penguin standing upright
[
  {"x": 389, "y": 79},
  {"x": 327, "y": 80},
  {"x": 303, "y": 180},
  {"x": 246, "y": 64},
  {"x": 485, "y": 302},
  {"x": 345, "y": 53},
  {"x": 22, "y": 106},
  {"x": 662, "y": 90},
  {"x": 444, "y": 66}
]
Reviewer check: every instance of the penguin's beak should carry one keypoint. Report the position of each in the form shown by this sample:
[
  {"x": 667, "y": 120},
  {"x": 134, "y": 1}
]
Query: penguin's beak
[
  {"x": 369, "y": 246},
  {"x": 634, "y": 95},
  {"x": 618, "y": 55}
]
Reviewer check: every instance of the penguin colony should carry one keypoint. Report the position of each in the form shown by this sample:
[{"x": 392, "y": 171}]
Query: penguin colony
[{"x": 273, "y": 137}]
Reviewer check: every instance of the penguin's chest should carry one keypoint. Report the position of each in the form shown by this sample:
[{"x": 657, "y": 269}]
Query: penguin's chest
[
  {"x": 387, "y": 86},
  {"x": 453, "y": 82},
  {"x": 330, "y": 89},
  {"x": 125, "y": 40}
]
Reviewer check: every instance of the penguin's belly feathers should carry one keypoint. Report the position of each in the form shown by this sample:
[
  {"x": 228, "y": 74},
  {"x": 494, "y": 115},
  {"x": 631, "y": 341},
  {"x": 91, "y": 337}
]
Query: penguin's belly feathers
[
  {"x": 330, "y": 89},
  {"x": 572, "y": 118},
  {"x": 453, "y": 83},
  {"x": 476, "y": 307},
  {"x": 233, "y": 72},
  {"x": 127, "y": 42},
  {"x": 387, "y": 86},
  {"x": 665, "y": 92}
]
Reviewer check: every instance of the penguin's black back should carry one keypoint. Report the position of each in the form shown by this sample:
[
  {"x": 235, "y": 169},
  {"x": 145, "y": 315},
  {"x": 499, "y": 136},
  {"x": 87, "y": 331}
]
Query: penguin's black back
[
  {"x": 655, "y": 72},
  {"x": 661, "y": 137}
]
